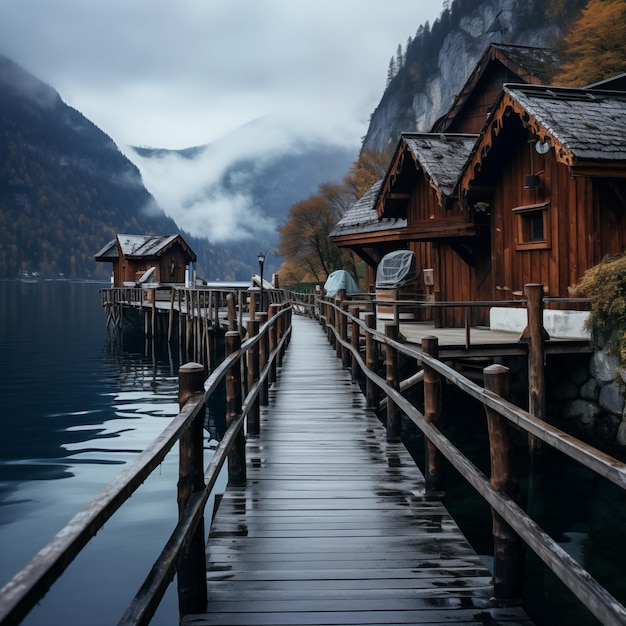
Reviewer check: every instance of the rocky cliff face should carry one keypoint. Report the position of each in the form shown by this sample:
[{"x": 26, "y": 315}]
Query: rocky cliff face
[{"x": 493, "y": 21}]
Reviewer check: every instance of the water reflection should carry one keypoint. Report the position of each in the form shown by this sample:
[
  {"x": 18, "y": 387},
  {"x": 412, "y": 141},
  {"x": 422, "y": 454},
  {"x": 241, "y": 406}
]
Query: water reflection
[{"x": 78, "y": 404}]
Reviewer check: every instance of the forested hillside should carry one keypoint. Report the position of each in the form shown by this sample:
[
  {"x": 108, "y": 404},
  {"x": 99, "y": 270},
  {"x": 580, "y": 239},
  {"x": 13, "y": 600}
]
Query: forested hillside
[{"x": 65, "y": 189}]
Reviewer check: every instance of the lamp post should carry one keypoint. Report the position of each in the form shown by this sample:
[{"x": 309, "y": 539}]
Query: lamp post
[{"x": 261, "y": 258}]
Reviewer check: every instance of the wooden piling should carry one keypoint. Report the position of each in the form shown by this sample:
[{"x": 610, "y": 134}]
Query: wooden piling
[
  {"x": 371, "y": 361},
  {"x": 273, "y": 342},
  {"x": 232, "y": 313},
  {"x": 343, "y": 333},
  {"x": 237, "y": 456},
  {"x": 433, "y": 463},
  {"x": 534, "y": 334},
  {"x": 191, "y": 575},
  {"x": 170, "y": 319},
  {"x": 253, "y": 378},
  {"x": 281, "y": 328},
  {"x": 508, "y": 556},
  {"x": 391, "y": 377},
  {"x": 355, "y": 340},
  {"x": 263, "y": 355}
]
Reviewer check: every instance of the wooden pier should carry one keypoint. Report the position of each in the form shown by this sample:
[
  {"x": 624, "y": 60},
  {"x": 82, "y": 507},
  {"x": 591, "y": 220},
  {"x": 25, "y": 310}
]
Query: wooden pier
[
  {"x": 333, "y": 525},
  {"x": 326, "y": 519}
]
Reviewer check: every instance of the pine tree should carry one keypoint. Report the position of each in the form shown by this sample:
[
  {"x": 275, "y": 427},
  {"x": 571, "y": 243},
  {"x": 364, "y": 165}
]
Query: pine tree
[
  {"x": 399, "y": 58},
  {"x": 391, "y": 72}
]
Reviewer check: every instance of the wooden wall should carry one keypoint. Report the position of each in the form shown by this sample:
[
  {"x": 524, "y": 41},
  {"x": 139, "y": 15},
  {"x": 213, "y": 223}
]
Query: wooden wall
[
  {"x": 584, "y": 221},
  {"x": 170, "y": 267},
  {"x": 473, "y": 114}
]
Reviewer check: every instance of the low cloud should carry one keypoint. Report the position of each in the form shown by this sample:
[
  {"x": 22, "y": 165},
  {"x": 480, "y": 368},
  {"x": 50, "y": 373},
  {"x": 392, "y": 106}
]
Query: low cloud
[{"x": 205, "y": 193}]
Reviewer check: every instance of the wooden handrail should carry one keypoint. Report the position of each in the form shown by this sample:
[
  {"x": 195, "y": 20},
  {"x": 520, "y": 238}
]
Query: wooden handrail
[
  {"x": 597, "y": 599},
  {"x": 29, "y": 585}
]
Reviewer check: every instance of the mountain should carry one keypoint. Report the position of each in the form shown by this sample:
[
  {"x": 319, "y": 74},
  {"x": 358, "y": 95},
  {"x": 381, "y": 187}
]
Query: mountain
[
  {"x": 237, "y": 190},
  {"x": 438, "y": 61},
  {"x": 65, "y": 188}
]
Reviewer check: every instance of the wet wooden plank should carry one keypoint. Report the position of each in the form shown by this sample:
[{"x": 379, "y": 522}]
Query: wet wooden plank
[{"x": 333, "y": 526}]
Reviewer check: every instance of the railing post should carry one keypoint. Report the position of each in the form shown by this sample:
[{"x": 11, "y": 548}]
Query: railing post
[
  {"x": 508, "y": 556},
  {"x": 281, "y": 326},
  {"x": 343, "y": 333},
  {"x": 355, "y": 341},
  {"x": 237, "y": 456},
  {"x": 273, "y": 341},
  {"x": 391, "y": 377},
  {"x": 253, "y": 378},
  {"x": 191, "y": 575},
  {"x": 535, "y": 335},
  {"x": 433, "y": 462},
  {"x": 263, "y": 347},
  {"x": 232, "y": 314},
  {"x": 331, "y": 324},
  {"x": 371, "y": 361}
]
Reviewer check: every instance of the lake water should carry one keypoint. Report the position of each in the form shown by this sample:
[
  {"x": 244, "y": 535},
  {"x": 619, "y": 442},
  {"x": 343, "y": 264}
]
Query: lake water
[{"x": 77, "y": 405}]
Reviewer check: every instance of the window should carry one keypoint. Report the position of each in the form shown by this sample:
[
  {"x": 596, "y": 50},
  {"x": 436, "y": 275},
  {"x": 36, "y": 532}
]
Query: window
[{"x": 533, "y": 226}]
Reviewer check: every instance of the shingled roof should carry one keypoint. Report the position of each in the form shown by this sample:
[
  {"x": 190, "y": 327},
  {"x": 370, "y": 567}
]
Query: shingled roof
[
  {"x": 585, "y": 126},
  {"x": 362, "y": 217},
  {"x": 440, "y": 157},
  {"x": 529, "y": 64},
  {"x": 540, "y": 62},
  {"x": 141, "y": 246}
]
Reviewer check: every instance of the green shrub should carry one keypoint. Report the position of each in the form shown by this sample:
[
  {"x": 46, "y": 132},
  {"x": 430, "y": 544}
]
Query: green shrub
[{"x": 606, "y": 284}]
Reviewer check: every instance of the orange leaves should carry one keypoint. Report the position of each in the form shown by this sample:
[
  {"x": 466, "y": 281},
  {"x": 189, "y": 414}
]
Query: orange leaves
[{"x": 595, "y": 47}]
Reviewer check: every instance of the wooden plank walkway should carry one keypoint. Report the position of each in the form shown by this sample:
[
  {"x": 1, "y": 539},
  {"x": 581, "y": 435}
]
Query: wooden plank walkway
[{"x": 333, "y": 526}]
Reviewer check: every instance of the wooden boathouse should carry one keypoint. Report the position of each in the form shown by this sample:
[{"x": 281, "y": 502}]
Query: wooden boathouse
[{"x": 326, "y": 518}]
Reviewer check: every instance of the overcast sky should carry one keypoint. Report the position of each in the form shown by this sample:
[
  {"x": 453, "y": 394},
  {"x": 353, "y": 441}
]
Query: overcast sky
[{"x": 178, "y": 73}]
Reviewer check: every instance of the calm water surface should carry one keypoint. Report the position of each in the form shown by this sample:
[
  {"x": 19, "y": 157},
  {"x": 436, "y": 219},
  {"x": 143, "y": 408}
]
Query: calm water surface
[{"x": 77, "y": 405}]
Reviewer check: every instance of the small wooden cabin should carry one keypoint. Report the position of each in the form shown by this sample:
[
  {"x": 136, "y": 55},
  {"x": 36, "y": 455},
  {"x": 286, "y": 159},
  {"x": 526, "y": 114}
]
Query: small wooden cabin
[
  {"x": 166, "y": 257},
  {"x": 445, "y": 237},
  {"x": 550, "y": 169},
  {"x": 417, "y": 207}
]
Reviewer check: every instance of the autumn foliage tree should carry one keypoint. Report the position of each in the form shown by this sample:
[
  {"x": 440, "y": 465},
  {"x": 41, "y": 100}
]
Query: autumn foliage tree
[
  {"x": 595, "y": 46},
  {"x": 310, "y": 255}
]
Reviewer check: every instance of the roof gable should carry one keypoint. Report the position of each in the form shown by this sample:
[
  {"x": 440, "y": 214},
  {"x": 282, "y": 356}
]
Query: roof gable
[
  {"x": 584, "y": 126},
  {"x": 108, "y": 252},
  {"x": 439, "y": 157},
  {"x": 529, "y": 64},
  {"x": 150, "y": 246},
  {"x": 362, "y": 217}
]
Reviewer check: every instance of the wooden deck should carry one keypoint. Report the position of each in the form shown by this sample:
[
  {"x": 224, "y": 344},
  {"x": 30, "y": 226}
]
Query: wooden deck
[
  {"x": 333, "y": 526},
  {"x": 483, "y": 342}
]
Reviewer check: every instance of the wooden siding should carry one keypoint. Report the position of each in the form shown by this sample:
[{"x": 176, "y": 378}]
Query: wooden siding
[
  {"x": 170, "y": 267},
  {"x": 473, "y": 114},
  {"x": 584, "y": 221}
]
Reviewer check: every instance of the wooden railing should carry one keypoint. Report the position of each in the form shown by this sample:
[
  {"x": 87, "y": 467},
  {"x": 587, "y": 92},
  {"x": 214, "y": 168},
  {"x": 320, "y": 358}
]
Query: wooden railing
[
  {"x": 510, "y": 522},
  {"x": 202, "y": 305},
  {"x": 258, "y": 357}
]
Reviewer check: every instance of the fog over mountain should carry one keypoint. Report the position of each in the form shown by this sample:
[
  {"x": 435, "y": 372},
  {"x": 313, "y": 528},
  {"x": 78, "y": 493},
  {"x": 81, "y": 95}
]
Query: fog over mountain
[{"x": 240, "y": 187}]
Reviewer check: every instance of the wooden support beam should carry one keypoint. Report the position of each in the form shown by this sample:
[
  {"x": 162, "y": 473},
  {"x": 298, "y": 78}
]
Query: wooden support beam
[
  {"x": 433, "y": 464},
  {"x": 237, "y": 456},
  {"x": 508, "y": 555},
  {"x": 391, "y": 376},
  {"x": 191, "y": 575}
]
